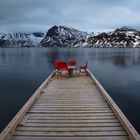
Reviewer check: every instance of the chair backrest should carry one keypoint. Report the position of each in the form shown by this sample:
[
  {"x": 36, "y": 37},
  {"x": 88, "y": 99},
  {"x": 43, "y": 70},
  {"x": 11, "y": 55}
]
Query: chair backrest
[
  {"x": 86, "y": 64},
  {"x": 71, "y": 62},
  {"x": 56, "y": 63},
  {"x": 62, "y": 66}
]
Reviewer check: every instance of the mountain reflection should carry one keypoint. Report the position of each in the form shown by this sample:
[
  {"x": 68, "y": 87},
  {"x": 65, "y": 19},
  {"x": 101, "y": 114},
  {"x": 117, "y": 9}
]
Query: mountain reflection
[{"x": 122, "y": 57}]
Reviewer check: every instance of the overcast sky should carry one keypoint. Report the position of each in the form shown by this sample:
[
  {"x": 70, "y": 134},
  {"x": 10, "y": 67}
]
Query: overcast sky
[{"x": 85, "y": 15}]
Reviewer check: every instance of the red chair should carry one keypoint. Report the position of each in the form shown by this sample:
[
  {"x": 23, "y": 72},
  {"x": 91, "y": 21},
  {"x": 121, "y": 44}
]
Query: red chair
[
  {"x": 71, "y": 62},
  {"x": 84, "y": 68},
  {"x": 72, "y": 66},
  {"x": 62, "y": 67},
  {"x": 56, "y": 63}
]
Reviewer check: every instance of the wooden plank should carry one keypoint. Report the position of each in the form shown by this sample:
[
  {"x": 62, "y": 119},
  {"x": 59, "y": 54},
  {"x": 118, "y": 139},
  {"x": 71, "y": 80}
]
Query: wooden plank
[
  {"x": 74, "y": 101},
  {"x": 74, "y": 115},
  {"x": 50, "y": 134},
  {"x": 87, "y": 105},
  {"x": 68, "y": 112},
  {"x": 91, "y": 98},
  {"x": 71, "y": 129},
  {"x": 70, "y": 102},
  {"x": 72, "y": 121},
  {"x": 79, "y": 99},
  {"x": 66, "y": 104},
  {"x": 70, "y": 106},
  {"x": 71, "y": 117},
  {"x": 69, "y": 138},
  {"x": 62, "y": 99},
  {"x": 65, "y": 93},
  {"x": 68, "y": 109},
  {"x": 72, "y": 125}
]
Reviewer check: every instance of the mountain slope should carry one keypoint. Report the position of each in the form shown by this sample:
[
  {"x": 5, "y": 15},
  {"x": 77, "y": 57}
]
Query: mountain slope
[
  {"x": 122, "y": 37},
  {"x": 61, "y": 36},
  {"x": 20, "y": 39}
]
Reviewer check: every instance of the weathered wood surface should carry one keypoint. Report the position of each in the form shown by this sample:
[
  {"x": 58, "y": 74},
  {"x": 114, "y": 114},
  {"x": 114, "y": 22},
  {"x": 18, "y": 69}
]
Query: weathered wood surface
[{"x": 71, "y": 108}]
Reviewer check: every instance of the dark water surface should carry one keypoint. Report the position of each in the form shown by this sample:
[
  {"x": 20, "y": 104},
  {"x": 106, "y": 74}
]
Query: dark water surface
[{"x": 22, "y": 70}]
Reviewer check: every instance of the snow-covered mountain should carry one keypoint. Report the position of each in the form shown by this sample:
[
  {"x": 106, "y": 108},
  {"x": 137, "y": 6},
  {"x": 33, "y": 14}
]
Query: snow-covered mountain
[
  {"x": 122, "y": 37},
  {"x": 61, "y": 36},
  {"x": 21, "y": 39}
]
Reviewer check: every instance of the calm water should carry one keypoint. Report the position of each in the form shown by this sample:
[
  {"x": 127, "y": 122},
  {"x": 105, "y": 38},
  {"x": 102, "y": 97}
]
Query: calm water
[{"x": 22, "y": 70}]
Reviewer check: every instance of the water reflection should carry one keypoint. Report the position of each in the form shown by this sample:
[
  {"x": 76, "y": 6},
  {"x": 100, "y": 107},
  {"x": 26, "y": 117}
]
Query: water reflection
[{"x": 122, "y": 57}]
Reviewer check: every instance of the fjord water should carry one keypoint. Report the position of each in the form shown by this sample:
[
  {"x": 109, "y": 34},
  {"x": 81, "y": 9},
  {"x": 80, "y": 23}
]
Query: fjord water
[{"x": 22, "y": 70}]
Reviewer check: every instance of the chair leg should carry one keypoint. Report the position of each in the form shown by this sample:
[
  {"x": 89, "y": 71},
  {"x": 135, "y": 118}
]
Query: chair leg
[
  {"x": 61, "y": 74},
  {"x": 67, "y": 74},
  {"x": 76, "y": 72},
  {"x": 79, "y": 72}
]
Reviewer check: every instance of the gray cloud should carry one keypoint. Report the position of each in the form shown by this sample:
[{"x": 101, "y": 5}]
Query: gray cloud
[{"x": 86, "y": 15}]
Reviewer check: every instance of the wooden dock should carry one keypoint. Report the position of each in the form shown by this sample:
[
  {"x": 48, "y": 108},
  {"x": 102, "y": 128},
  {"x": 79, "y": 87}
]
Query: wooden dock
[{"x": 70, "y": 108}]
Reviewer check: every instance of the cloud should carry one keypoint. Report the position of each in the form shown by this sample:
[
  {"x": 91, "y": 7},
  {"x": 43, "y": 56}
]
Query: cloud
[{"x": 86, "y": 15}]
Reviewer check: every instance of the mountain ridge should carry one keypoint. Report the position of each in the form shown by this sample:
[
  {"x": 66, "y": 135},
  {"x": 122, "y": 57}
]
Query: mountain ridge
[
  {"x": 121, "y": 37},
  {"x": 63, "y": 36},
  {"x": 19, "y": 39}
]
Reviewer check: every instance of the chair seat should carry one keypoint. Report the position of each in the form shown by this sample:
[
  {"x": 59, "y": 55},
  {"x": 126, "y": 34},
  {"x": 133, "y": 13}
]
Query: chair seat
[
  {"x": 83, "y": 67},
  {"x": 61, "y": 69}
]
